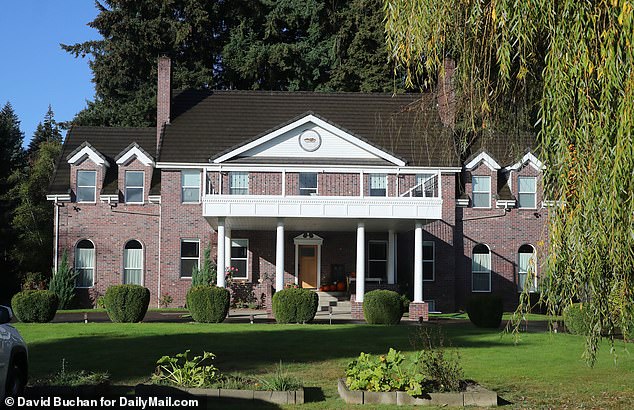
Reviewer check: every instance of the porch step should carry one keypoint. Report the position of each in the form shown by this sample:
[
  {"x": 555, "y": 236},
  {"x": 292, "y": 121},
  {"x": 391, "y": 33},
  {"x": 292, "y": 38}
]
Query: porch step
[{"x": 338, "y": 301}]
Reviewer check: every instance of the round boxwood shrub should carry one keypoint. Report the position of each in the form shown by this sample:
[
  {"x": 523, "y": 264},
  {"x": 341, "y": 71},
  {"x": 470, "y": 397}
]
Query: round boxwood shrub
[
  {"x": 382, "y": 307},
  {"x": 127, "y": 303},
  {"x": 576, "y": 319},
  {"x": 485, "y": 311},
  {"x": 295, "y": 305},
  {"x": 35, "y": 306},
  {"x": 208, "y": 304}
]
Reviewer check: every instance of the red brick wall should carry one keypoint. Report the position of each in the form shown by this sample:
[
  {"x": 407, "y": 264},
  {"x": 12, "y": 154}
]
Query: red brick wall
[
  {"x": 265, "y": 183},
  {"x": 135, "y": 165},
  {"x": 334, "y": 184}
]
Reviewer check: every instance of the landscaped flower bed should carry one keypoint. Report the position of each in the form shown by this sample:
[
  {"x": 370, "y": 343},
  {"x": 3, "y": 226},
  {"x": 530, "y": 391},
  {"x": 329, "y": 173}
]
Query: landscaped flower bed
[{"x": 200, "y": 377}]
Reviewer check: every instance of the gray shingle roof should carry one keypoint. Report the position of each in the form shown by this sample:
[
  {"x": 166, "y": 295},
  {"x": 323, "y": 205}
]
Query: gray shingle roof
[
  {"x": 109, "y": 142},
  {"x": 205, "y": 124}
]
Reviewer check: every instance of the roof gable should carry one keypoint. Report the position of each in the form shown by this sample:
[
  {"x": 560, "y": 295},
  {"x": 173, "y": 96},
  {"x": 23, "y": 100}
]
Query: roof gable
[
  {"x": 310, "y": 136},
  {"x": 528, "y": 158},
  {"x": 134, "y": 151},
  {"x": 485, "y": 158},
  {"x": 86, "y": 151}
]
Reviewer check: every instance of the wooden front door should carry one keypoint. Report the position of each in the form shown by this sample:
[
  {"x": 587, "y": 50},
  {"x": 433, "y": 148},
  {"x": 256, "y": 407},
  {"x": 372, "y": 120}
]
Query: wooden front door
[{"x": 308, "y": 266}]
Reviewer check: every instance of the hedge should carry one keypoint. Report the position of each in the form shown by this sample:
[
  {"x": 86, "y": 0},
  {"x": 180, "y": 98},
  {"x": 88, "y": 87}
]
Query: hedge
[
  {"x": 485, "y": 310},
  {"x": 208, "y": 304},
  {"x": 127, "y": 303},
  {"x": 35, "y": 305},
  {"x": 382, "y": 307},
  {"x": 295, "y": 305},
  {"x": 576, "y": 319}
]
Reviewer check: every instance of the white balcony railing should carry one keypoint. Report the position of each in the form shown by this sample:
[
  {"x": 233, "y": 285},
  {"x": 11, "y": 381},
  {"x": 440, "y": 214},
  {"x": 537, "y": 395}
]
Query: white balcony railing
[{"x": 322, "y": 207}]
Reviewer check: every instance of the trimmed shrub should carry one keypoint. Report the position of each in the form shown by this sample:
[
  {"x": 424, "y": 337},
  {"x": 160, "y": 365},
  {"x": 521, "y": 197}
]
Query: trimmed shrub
[
  {"x": 35, "y": 306},
  {"x": 295, "y": 305},
  {"x": 485, "y": 311},
  {"x": 127, "y": 303},
  {"x": 208, "y": 304},
  {"x": 576, "y": 319},
  {"x": 382, "y": 307}
]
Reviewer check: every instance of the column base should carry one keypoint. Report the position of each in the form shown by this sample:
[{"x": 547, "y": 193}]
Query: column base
[
  {"x": 356, "y": 310},
  {"x": 419, "y": 311}
]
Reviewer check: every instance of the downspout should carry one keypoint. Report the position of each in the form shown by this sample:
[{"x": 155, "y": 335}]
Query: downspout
[
  {"x": 158, "y": 298},
  {"x": 56, "y": 241}
]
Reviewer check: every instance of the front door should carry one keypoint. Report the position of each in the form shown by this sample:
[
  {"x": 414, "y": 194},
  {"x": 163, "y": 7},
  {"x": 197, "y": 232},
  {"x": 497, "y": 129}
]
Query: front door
[{"x": 308, "y": 266}]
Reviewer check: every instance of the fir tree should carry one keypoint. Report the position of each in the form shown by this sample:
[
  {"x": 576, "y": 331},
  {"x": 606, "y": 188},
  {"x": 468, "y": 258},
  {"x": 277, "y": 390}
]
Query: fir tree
[
  {"x": 48, "y": 130},
  {"x": 63, "y": 283},
  {"x": 207, "y": 274}
]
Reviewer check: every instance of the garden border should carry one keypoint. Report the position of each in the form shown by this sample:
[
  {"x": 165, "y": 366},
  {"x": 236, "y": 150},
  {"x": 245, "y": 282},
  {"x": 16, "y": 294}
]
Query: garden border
[
  {"x": 269, "y": 396},
  {"x": 474, "y": 396}
]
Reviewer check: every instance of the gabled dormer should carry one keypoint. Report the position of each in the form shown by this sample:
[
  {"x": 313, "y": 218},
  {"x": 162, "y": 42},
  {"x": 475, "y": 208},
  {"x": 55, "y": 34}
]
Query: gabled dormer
[
  {"x": 134, "y": 176},
  {"x": 88, "y": 168},
  {"x": 481, "y": 181},
  {"x": 524, "y": 181}
]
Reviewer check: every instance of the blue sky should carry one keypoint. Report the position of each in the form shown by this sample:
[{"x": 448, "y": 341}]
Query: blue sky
[{"x": 34, "y": 70}]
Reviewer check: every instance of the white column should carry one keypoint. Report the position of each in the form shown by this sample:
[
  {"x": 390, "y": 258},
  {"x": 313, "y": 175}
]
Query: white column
[
  {"x": 418, "y": 262},
  {"x": 220, "y": 257},
  {"x": 360, "y": 278},
  {"x": 391, "y": 256},
  {"x": 227, "y": 247},
  {"x": 279, "y": 256}
]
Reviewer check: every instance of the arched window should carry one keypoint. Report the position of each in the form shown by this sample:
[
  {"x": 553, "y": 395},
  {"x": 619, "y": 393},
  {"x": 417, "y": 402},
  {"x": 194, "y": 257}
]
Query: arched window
[
  {"x": 527, "y": 268},
  {"x": 481, "y": 269},
  {"x": 133, "y": 263},
  {"x": 85, "y": 263}
]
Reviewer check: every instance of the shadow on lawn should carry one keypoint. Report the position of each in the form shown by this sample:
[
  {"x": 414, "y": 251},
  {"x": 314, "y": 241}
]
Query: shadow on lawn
[{"x": 132, "y": 355}]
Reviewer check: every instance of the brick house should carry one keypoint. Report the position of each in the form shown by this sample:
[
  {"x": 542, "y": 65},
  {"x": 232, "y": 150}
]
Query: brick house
[{"x": 300, "y": 187}]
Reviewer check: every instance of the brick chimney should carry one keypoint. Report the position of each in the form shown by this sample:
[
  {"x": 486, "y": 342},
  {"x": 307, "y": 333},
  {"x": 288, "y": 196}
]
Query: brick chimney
[
  {"x": 446, "y": 94},
  {"x": 163, "y": 96}
]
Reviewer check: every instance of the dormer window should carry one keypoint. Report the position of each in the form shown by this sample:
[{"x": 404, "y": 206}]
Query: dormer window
[
  {"x": 86, "y": 186},
  {"x": 378, "y": 185},
  {"x": 134, "y": 187},
  {"x": 527, "y": 187},
  {"x": 481, "y": 192}
]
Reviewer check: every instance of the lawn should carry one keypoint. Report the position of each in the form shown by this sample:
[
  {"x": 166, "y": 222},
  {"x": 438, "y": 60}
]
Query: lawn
[{"x": 543, "y": 370}]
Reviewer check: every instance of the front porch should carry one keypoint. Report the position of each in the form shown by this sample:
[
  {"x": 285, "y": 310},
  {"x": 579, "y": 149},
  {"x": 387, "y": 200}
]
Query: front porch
[{"x": 334, "y": 250}]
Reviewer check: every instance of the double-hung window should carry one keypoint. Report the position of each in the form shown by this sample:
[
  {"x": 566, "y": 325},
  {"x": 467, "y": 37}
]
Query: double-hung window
[
  {"x": 133, "y": 263},
  {"x": 190, "y": 256},
  {"x": 190, "y": 185},
  {"x": 527, "y": 269},
  {"x": 239, "y": 183},
  {"x": 527, "y": 187},
  {"x": 481, "y": 269},
  {"x": 378, "y": 185},
  {"x": 481, "y": 192},
  {"x": 429, "y": 265},
  {"x": 86, "y": 186},
  {"x": 239, "y": 258},
  {"x": 85, "y": 264},
  {"x": 377, "y": 260},
  {"x": 308, "y": 183},
  {"x": 134, "y": 187}
]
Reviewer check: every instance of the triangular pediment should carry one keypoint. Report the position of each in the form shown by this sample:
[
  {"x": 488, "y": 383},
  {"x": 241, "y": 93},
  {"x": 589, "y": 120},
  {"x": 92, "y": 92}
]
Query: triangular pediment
[
  {"x": 86, "y": 151},
  {"x": 310, "y": 137}
]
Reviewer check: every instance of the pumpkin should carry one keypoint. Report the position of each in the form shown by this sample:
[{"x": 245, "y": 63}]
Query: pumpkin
[
  {"x": 322, "y": 288},
  {"x": 341, "y": 286},
  {"x": 332, "y": 288}
]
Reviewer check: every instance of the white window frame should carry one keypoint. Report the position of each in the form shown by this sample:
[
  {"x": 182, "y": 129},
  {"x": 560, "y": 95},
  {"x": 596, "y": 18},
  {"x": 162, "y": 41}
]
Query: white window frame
[
  {"x": 481, "y": 192},
  {"x": 142, "y": 268},
  {"x": 315, "y": 189},
  {"x": 94, "y": 261},
  {"x": 481, "y": 272},
  {"x": 231, "y": 187},
  {"x": 432, "y": 260},
  {"x": 371, "y": 177},
  {"x": 245, "y": 259},
  {"x": 519, "y": 271},
  {"x": 519, "y": 193},
  {"x": 125, "y": 180},
  {"x": 180, "y": 266},
  {"x": 190, "y": 187},
  {"x": 94, "y": 187},
  {"x": 367, "y": 269}
]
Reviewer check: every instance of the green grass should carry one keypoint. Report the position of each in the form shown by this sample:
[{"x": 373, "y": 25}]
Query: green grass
[
  {"x": 543, "y": 370},
  {"x": 505, "y": 317},
  {"x": 94, "y": 310}
]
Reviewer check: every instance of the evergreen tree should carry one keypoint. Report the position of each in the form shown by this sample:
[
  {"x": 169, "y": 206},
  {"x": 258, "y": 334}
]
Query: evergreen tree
[
  {"x": 63, "y": 283},
  {"x": 207, "y": 274},
  {"x": 48, "y": 130},
  {"x": 11, "y": 160}
]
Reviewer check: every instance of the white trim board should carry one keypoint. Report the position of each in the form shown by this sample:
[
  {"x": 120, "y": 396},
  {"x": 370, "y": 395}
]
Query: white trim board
[
  {"x": 320, "y": 123},
  {"x": 527, "y": 158},
  {"x": 135, "y": 151},
  {"x": 88, "y": 152},
  {"x": 483, "y": 157}
]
